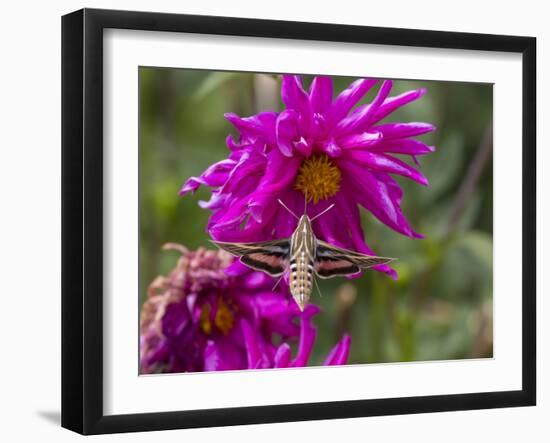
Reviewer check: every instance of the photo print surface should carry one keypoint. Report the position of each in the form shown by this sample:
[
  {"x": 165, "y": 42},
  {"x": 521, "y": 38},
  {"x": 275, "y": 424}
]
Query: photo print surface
[{"x": 296, "y": 220}]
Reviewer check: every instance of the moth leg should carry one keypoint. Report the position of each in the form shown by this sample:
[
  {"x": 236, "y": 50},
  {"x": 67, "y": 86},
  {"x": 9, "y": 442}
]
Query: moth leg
[
  {"x": 277, "y": 282},
  {"x": 318, "y": 287}
]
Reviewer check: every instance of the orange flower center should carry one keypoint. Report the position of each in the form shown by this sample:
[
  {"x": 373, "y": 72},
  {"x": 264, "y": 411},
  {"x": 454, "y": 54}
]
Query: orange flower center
[
  {"x": 224, "y": 319},
  {"x": 318, "y": 178},
  {"x": 205, "y": 323}
]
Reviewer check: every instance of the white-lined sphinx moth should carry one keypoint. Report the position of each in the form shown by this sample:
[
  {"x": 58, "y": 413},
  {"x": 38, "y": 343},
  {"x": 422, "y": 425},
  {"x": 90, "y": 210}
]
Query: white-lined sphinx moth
[{"x": 304, "y": 255}]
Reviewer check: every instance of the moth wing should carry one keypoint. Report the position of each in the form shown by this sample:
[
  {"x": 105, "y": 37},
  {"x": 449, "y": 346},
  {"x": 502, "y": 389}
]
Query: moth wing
[
  {"x": 274, "y": 266},
  {"x": 332, "y": 261},
  {"x": 335, "y": 268},
  {"x": 270, "y": 257}
]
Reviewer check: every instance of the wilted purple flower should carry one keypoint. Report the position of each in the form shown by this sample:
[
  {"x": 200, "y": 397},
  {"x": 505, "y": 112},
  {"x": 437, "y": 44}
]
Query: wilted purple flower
[
  {"x": 318, "y": 149},
  {"x": 211, "y": 315}
]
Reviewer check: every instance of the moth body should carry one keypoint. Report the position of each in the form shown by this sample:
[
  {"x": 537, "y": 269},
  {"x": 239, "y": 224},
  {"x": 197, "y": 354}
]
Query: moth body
[{"x": 303, "y": 247}]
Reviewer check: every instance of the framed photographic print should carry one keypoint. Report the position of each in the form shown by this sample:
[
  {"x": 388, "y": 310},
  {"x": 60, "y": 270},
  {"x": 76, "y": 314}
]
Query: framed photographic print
[{"x": 270, "y": 221}]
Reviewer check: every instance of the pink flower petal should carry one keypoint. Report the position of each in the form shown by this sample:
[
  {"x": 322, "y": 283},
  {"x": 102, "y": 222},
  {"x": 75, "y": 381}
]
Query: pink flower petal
[
  {"x": 348, "y": 99},
  {"x": 308, "y": 334},
  {"x": 279, "y": 175},
  {"x": 252, "y": 347},
  {"x": 386, "y": 163},
  {"x": 251, "y": 164},
  {"x": 403, "y": 146},
  {"x": 393, "y": 103},
  {"x": 303, "y": 147},
  {"x": 286, "y": 131},
  {"x": 214, "y": 176},
  {"x": 402, "y": 130},
  {"x": 282, "y": 356},
  {"x": 375, "y": 196},
  {"x": 262, "y": 124},
  {"x": 285, "y": 223},
  {"x": 294, "y": 97},
  {"x": 331, "y": 148},
  {"x": 347, "y": 209},
  {"x": 362, "y": 117},
  {"x": 339, "y": 354},
  {"x": 320, "y": 93},
  {"x": 361, "y": 140}
]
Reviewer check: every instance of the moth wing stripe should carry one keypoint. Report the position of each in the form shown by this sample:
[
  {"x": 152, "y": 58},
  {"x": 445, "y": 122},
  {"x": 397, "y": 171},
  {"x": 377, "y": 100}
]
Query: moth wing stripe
[
  {"x": 278, "y": 248},
  {"x": 272, "y": 265},
  {"x": 329, "y": 251}
]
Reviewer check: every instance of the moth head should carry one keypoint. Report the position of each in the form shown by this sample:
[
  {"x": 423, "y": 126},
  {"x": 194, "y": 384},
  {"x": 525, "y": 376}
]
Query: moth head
[{"x": 304, "y": 221}]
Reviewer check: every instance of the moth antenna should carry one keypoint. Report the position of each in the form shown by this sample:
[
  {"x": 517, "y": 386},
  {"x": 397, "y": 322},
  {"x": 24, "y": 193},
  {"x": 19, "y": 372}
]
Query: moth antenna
[
  {"x": 287, "y": 208},
  {"x": 318, "y": 288},
  {"x": 321, "y": 213}
]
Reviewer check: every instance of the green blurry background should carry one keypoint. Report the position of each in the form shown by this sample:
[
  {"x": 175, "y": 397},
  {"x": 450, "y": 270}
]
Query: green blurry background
[{"x": 441, "y": 306}]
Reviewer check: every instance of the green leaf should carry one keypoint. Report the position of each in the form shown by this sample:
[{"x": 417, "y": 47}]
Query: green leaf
[
  {"x": 479, "y": 245},
  {"x": 444, "y": 166},
  {"x": 211, "y": 83}
]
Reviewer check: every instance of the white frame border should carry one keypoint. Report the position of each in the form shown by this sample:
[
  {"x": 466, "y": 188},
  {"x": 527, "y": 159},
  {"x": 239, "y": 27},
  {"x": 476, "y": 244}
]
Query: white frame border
[{"x": 125, "y": 392}]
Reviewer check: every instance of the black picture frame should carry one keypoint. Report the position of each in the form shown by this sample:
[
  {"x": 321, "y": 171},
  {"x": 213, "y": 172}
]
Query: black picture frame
[{"x": 82, "y": 220}]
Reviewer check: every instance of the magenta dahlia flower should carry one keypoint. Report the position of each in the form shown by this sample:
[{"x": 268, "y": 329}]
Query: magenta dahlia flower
[
  {"x": 211, "y": 315},
  {"x": 321, "y": 150}
]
